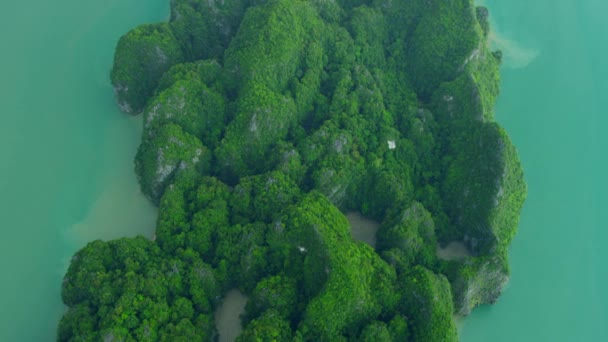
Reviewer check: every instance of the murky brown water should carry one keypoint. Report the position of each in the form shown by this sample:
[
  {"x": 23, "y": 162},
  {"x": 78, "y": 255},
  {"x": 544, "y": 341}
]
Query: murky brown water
[
  {"x": 227, "y": 316},
  {"x": 454, "y": 250},
  {"x": 362, "y": 228}
]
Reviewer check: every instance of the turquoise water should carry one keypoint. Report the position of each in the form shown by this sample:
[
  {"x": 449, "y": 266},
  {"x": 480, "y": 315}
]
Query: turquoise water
[
  {"x": 553, "y": 103},
  {"x": 66, "y": 171},
  {"x": 66, "y": 175}
]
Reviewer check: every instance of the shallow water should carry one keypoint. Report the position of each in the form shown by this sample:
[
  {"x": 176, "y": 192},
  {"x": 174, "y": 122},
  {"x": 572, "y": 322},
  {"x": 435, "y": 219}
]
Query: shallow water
[
  {"x": 227, "y": 316},
  {"x": 553, "y": 104},
  {"x": 67, "y": 153}
]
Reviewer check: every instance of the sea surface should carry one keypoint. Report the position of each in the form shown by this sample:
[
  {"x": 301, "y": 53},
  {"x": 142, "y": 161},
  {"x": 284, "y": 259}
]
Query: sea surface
[
  {"x": 554, "y": 104},
  {"x": 66, "y": 170},
  {"x": 66, "y": 153}
]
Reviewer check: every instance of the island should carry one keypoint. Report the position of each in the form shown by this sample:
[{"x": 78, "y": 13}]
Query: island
[{"x": 264, "y": 124}]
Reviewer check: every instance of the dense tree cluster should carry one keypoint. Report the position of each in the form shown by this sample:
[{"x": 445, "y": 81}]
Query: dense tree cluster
[{"x": 265, "y": 121}]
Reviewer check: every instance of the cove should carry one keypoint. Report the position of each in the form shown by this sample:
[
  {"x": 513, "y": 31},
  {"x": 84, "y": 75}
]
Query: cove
[
  {"x": 228, "y": 316},
  {"x": 67, "y": 152},
  {"x": 553, "y": 105}
]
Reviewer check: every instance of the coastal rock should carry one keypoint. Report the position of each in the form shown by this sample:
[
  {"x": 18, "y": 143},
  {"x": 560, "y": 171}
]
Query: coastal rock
[
  {"x": 142, "y": 57},
  {"x": 169, "y": 152},
  {"x": 426, "y": 300},
  {"x": 189, "y": 103},
  {"x": 477, "y": 281},
  {"x": 445, "y": 50}
]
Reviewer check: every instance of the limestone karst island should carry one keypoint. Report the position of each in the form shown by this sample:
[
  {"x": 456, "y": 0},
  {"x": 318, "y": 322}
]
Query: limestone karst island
[{"x": 265, "y": 125}]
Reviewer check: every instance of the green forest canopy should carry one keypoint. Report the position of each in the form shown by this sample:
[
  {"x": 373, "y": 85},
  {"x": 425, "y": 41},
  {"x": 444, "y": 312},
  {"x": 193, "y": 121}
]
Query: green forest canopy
[{"x": 265, "y": 121}]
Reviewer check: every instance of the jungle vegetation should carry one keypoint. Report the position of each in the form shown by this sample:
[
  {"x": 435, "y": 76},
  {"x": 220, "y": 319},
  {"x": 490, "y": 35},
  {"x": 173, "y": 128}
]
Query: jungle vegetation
[{"x": 265, "y": 122}]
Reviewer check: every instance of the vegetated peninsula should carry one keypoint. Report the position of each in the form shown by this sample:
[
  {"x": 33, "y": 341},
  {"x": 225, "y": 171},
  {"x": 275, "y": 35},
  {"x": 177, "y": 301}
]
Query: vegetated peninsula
[{"x": 264, "y": 123}]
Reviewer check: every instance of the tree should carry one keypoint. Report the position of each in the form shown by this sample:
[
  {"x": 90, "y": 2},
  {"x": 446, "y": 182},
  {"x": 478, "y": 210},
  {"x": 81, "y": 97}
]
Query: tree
[
  {"x": 142, "y": 56},
  {"x": 270, "y": 327},
  {"x": 276, "y": 292},
  {"x": 427, "y": 300},
  {"x": 164, "y": 155},
  {"x": 190, "y": 104}
]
